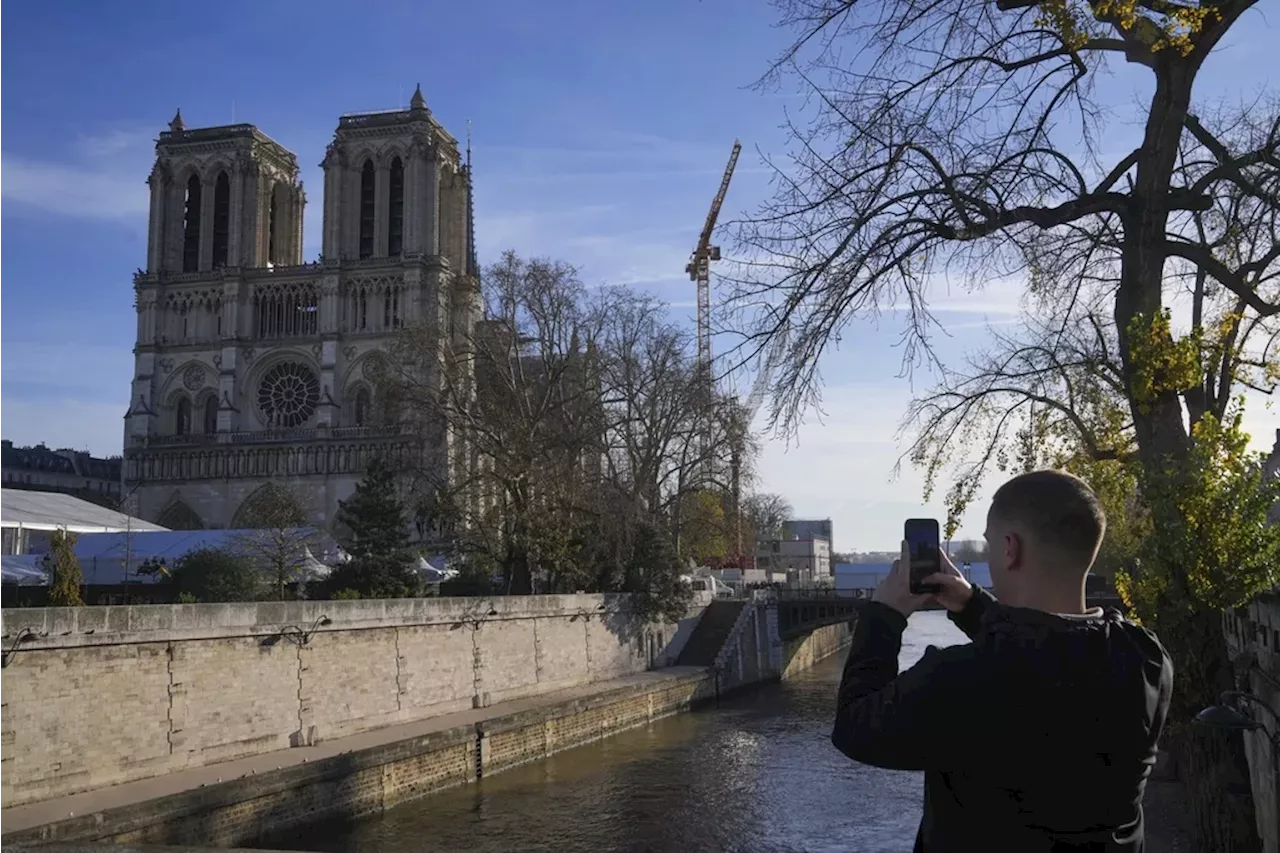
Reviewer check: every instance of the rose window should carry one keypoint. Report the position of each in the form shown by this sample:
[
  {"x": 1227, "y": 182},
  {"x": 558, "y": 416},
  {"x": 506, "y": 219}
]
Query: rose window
[{"x": 288, "y": 395}]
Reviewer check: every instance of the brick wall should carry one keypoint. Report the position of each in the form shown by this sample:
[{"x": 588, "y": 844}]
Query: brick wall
[
  {"x": 96, "y": 696},
  {"x": 1253, "y": 633}
]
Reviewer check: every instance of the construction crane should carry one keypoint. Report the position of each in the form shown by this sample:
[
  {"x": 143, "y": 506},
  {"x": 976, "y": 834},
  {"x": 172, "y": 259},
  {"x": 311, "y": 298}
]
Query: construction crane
[{"x": 699, "y": 270}]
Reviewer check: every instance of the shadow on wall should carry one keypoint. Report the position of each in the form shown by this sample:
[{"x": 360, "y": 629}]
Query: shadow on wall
[{"x": 803, "y": 652}]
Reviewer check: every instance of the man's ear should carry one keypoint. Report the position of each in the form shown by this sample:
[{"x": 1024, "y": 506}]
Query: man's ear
[{"x": 1015, "y": 551}]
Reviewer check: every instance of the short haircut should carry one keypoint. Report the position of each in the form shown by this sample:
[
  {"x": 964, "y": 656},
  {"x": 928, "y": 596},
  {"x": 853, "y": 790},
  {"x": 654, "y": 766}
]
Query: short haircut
[{"x": 1059, "y": 510}]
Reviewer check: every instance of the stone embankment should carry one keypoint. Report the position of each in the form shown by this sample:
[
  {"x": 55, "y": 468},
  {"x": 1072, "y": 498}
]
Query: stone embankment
[{"x": 214, "y": 724}]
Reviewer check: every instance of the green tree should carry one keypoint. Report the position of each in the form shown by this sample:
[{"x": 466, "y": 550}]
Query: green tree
[
  {"x": 374, "y": 519},
  {"x": 63, "y": 569},
  {"x": 703, "y": 528},
  {"x": 374, "y": 576},
  {"x": 653, "y": 577},
  {"x": 211, "y": 575}
]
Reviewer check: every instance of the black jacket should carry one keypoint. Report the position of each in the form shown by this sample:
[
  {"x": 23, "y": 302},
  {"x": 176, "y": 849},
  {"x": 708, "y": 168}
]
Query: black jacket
[{"x": 1037, "y": 736}]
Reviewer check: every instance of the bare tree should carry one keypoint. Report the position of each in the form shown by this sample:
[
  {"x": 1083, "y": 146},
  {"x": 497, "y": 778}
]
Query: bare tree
[
  {"x": 963, "y": 137},
  {"x": 276, "y": 538},
  {"x": 516, "y": 404},
  {"x": 767, "y": 513}
]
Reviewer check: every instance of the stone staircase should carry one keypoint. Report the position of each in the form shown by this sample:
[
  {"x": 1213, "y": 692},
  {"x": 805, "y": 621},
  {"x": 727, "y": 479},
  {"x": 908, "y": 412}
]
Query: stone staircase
[{"x": 711, "y": 633}]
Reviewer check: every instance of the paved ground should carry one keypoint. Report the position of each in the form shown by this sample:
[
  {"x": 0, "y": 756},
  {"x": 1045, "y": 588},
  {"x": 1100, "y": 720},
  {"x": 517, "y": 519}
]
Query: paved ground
[
  {"x": 1167, "y": 817},
  {"x": 48, "y": 811}
]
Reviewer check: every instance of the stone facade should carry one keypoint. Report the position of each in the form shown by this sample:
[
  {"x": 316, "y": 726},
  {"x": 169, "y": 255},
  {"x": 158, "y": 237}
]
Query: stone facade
[
  {"x": 97, "y": 696},
  {"x": 255, "y": 367},
  {"x": 1253, "y": 635},
  {"x": 71, "y": 472}
]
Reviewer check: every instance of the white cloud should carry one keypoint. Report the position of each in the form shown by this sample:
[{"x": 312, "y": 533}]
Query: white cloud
[
  {"x": 105, "y": 178},
  {"x": 73, "y": 190}
]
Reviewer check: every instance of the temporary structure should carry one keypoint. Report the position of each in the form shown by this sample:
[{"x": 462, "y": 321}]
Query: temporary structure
[{"x": 29, "y": 518}]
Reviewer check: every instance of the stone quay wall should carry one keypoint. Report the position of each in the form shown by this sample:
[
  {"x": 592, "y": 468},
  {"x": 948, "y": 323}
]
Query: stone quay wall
[
  {"x": 97, "y": 696},
  {"x": 1253, "y": 635},
  {"x": 366, "y": 781},
  {"x": 803, "y": 653}
]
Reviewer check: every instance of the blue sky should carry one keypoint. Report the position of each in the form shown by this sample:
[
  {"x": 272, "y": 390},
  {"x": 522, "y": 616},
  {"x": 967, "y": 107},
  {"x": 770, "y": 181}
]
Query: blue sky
[{"x": 600, "y": 133}]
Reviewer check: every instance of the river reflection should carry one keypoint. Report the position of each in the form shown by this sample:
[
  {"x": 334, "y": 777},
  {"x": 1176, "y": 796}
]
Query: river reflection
[{"x": 757, "y": 773}]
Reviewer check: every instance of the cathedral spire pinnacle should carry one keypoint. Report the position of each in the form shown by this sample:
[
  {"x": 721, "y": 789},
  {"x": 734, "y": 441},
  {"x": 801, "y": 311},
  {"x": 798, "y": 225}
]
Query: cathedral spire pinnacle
[
  {"x": 176, "y": 125},
  {"x": 417, "y": 102}
]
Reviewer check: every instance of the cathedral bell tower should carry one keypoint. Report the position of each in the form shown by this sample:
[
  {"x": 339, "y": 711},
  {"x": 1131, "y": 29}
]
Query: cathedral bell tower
[
  {"x": 223, "y": 200},
  {"x": 395, "y": 186},
  {"x": 223, "y": 197}
]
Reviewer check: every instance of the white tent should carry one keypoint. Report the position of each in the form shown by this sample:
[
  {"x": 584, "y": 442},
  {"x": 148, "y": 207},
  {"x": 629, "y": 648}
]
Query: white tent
[
  {"x": 29, "y": 518},
  {"x": 433, "y": 573}
]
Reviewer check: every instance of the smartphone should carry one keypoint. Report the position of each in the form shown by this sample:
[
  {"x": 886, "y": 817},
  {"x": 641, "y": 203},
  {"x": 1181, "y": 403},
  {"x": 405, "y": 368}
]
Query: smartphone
[{"x": 925, "y": 547}]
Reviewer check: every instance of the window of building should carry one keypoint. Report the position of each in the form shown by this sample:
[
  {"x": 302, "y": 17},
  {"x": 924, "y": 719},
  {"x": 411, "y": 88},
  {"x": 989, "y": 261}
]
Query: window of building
[
  {"x": 287, "y": 310},
  {"x": 182, "y": 420},
  {"x": 211, "y": 415},
  {"x": 272, "y": 218},
  {"x": 395, "y": 218},
  {"x": 366, "y": 209},
  {"x": 191, "y": 226},
  {"x": 288, "y": 395},
  {"x": 221, "y": 219},
  {"x": 362, "y": 407}
]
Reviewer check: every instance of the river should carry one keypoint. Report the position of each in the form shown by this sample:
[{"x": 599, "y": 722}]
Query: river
[{"x": 756, "y": 774}]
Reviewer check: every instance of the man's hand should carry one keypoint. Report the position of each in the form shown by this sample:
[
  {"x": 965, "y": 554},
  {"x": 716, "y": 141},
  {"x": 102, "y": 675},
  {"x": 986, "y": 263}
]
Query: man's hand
[
  {"x": 955, "y": 591},
  {"x": 895, "y": 589}
]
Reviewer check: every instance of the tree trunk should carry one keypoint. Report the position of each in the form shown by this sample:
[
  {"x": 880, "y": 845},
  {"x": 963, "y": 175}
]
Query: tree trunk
[
  {"x": 1222, "y": 802},
  {"x": 1212, "y": 764},
  {"x": 1219, "y": 792}
]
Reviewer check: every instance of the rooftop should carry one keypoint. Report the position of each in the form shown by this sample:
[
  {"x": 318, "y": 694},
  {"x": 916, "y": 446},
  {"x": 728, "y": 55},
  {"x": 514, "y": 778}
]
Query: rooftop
[{"x": 52, "y": 510}]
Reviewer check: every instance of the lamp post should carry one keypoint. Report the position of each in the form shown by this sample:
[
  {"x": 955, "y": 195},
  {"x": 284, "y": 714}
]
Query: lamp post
[{"x": 1225, "y": 716}]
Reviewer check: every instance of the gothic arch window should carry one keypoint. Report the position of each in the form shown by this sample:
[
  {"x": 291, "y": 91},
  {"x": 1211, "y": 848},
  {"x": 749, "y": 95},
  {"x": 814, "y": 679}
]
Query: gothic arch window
[
  {"x": 221, "y": 219},
  {"x": 211, "y": 415},
  {"x": 362, "y": 407},
  {"x": 367, "y": 179},
  {"x": 272, "y": 219},
  {"x": 395, "y": 218},
  {"x": 278, "y": 227},
  {"x": 287, "y": 310},
  {"x": 182, "y": 417},
  {"x": 179, "y": 516},
  {"x": 191, "y": 226},
  {"x": 269, "y": 506}
]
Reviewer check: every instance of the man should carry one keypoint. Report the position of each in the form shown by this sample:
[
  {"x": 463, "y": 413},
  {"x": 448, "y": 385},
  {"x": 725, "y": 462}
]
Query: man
[{"x": 1040, "y": 734}]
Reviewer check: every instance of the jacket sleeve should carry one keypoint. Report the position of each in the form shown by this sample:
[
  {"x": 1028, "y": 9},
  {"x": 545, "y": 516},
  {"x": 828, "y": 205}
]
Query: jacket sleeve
[
  {"x": 969, "y": 619},
  {"x": 925, "y": 718}
]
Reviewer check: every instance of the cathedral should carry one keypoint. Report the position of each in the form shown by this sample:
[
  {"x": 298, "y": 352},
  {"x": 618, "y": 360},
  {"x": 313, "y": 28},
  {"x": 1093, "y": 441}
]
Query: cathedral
[{"x": 255, "y": 370}]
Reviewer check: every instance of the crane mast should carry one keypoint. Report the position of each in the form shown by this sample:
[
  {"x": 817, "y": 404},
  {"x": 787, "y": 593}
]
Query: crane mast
[{"x": 699, "y": 270}]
